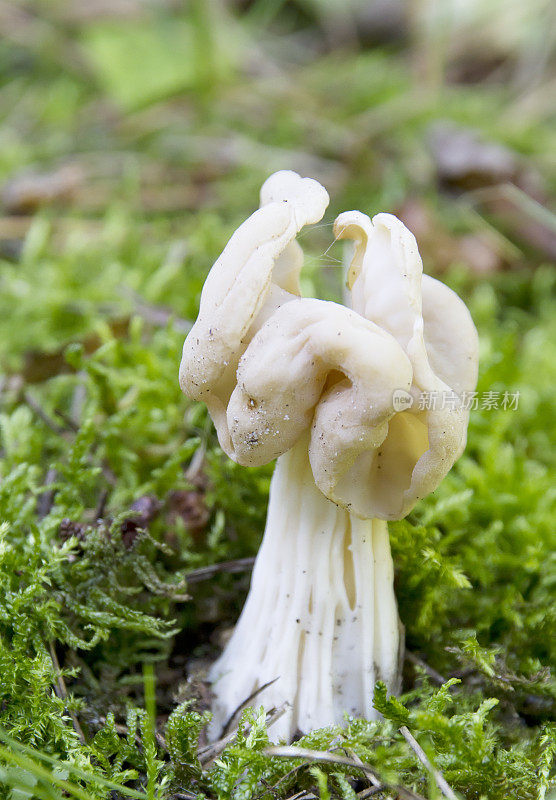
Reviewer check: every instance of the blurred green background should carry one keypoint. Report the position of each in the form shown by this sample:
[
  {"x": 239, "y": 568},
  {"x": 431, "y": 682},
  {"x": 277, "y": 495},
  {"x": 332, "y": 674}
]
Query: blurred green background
[{"x": 173, "y": 111}]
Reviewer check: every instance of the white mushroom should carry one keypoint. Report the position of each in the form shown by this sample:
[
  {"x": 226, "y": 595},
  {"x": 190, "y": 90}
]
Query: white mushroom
[
  {"x": 257, "y": 271},
  {"x": 315, "y": 384},
  {"x": 436, "y": 331}
]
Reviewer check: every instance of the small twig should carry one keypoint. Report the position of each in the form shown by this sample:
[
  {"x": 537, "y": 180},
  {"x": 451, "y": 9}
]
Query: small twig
[
  {"x": 231, "y": 567},
  {"x": 441, "y": 782},
  {"x": 47, "y": 497},
  {"x": 78, "y": 400},
  {"x": 68, "y": 421},
  {"x": 211, "y": 751},
  {"x": 195, "y": 468},
  {"x": 419, "y": 662},
  {"x": 101, "y": 505},
  {"x": 156, "y": 315},
  {"x": 288, "y": 774},
  {"x": 62, "y": 691},
  {"x": 244, "y": 704},
  {"x": 270, "y": 788},
  {"x": 41, "y": 414},
  {"x": 291, "y": 751},
  {"x": 360, "y": 763},
  {"x": 369, "y": 792},
  {"x": 522, "y": 199}
]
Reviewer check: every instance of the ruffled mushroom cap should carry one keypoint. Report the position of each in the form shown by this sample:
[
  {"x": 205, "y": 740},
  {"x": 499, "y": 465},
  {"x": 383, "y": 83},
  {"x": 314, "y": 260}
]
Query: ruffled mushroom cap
[
  {"x": 435, "y": 330},
  {"x": 271, "y": 365},
  {"x": 320, "y": 366},
  {"x": 257, "y": 271}
]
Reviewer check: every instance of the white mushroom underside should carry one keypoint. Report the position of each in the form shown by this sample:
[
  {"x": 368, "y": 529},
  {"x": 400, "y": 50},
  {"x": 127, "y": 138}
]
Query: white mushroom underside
[{"x": 321, "y": 618}]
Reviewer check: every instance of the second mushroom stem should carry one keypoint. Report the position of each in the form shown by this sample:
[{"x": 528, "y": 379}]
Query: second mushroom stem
[{"x": 321, "y": 619}]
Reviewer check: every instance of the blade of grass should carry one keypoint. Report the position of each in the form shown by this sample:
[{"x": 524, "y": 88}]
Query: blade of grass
[
  {"x": 42, "y": 773},
  {"x": 76, "y": 771},
  {"x": 149, "y": 741}
]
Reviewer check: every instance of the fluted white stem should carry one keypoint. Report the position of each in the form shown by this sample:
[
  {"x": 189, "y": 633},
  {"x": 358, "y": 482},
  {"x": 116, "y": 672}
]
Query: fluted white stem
[{"x": 321, "y": 618}]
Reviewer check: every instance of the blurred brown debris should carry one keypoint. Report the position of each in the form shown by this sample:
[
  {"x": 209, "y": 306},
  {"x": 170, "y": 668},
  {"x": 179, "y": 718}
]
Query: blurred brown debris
[
  {"x": 40, "y": 365},
  {"x": 494, "y": 179},
  {"x": 480, "y": 251},
  {"x": 29, "y": 191},
  {"x": 91, "y": 184},
  {"x": 190, "y": 506},
  {"x": 464, "y": 161},
  {"x": 144, "y": 509},
  {"x": 69, "y": 528}
]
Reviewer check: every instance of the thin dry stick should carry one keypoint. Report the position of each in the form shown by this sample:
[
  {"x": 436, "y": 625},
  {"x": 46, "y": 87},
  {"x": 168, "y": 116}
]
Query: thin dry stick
[
  {"x": 358, "y": 761},
  {"x": 526, "y": 203},
  {"x": 291, "y": 751},
  {"x": 62, "y": 691},
  {"x": 78, "y": 400},
  {"x": 204, "y": 573},
  {"x": 195, "y": 468},
  {"x": 441, "y": 782},
  {"x": 46, "y": 498},
  {"x": 245, "y": 703},
  {"x": 368, "y": 792},
  {"x": 211, "y": 751},
  {"x": 328, "y": 758},
  {"x": 270, "y": 788},
  {"x": 68, "y": 422},
  {"x": 288, "y": 774},
  {"x": 101, "y": 504},
  {"x": 155, "y": 315},
  {"x": 41, "y": 414},
  {"x": 419, "y": 662}
]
